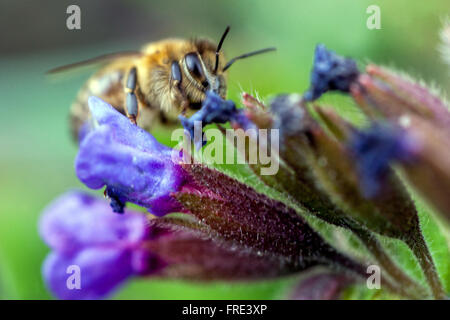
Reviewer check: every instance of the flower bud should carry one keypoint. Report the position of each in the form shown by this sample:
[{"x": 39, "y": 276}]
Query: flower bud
[{"x": 383, "y": 93}]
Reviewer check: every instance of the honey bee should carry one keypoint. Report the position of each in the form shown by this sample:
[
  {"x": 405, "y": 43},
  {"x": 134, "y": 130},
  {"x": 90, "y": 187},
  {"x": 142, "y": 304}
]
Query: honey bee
[{"x": 166, "y": 78}]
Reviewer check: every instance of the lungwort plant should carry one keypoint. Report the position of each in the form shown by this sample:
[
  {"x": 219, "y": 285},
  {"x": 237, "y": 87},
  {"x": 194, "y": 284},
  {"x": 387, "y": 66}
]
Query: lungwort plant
[{"x": 347, "y": 200}]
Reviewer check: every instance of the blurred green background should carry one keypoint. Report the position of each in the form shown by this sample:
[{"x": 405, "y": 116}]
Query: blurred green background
[{"x": 36, "y": 162}]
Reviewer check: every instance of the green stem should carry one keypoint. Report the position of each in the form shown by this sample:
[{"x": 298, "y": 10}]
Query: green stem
[
  {"x": 417, "y": 244},
  {"x": 394, "y": 288},
  {"x": 385, "y": 261},
  {"x": 336, "y": 259}
]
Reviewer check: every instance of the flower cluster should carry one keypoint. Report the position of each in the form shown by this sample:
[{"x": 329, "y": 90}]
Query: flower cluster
[{"x": 227, "y": 230}]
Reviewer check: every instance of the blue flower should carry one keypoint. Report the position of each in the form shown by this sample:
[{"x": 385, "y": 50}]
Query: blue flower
[
  {"x": 330, "y": 72},
  {"x": 214, "y": 110},
  {"x": 375, "y": 150},
  {"x": 129, "y": 161}
]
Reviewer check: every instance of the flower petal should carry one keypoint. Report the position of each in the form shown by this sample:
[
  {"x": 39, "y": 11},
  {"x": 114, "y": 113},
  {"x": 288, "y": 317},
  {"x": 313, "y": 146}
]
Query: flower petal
[
  {"x": 76, "y": 220},
  {"x": 214, "y": 110},
  {"x": 97, "y": 270},
  {"x": 330, "y": 72}
]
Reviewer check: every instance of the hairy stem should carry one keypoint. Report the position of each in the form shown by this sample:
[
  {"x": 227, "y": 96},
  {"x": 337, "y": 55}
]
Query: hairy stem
[
  {"x": 419, "y": 247},
  {"x": 385, "y": 261},
  {"x": 340, "y": 261}
]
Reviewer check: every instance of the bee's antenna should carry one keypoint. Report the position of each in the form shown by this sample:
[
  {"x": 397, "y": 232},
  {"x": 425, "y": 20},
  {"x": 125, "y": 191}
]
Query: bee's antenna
[
  {"x": 219, "y": 46},
  {"x": 246, "y": 55}
]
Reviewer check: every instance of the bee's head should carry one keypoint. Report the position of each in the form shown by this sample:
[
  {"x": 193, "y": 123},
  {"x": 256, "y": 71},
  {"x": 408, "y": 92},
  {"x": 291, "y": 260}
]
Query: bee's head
[
  {"x": 199, "y": 68},
  {"x": 206, "y": 67}
]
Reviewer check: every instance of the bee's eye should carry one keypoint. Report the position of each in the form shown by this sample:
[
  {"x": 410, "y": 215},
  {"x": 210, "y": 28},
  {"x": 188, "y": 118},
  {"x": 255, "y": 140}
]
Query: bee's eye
[{"x": 193, "y": 64}]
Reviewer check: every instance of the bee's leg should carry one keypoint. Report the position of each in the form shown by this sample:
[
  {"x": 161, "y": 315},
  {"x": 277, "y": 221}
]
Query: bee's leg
[
  {"x": 131, "y": 108},
  {"x": 176, "y": 78},
  {"x": 184, "y": 106}
]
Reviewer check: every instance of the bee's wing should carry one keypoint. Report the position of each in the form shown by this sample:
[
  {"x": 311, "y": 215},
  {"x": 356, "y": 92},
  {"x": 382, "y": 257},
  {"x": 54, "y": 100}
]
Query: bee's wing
[{"x": 95, "y": 61}]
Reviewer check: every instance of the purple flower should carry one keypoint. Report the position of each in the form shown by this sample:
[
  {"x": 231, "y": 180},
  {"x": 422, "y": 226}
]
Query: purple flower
[
  {"x": 129, "y": 160},
  {"x": 330, "y": 72},
  {"x": 375, "y": 149},
  {"x": 107, "y": 249},
  {"x": 104, "y": 249},
  {"x": 215, "y": 110}
]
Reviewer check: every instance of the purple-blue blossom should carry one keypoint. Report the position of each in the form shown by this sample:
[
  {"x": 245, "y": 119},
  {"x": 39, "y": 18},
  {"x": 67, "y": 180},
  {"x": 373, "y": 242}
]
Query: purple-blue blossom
[
  {"x": 214, "y": 110},
  {"x": 129, "y": 160},
  {"x": 376, "y": 149},
  {"x": 330, "y": 72},
  {"x": 105, "y": 248}
]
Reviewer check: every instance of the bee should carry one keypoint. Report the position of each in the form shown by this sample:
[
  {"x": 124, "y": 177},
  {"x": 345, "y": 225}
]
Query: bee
[{"x": 165, "y": 79}]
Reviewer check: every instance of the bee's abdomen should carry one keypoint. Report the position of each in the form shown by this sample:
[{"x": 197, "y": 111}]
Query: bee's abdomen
[
  {"x": 105, "y": 85},
  {"x": 79, "y": 114}
]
